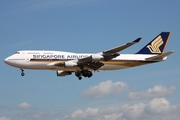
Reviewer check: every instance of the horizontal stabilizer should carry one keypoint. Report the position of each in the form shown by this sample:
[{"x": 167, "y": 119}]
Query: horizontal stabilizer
[{"x": 160, "y": 56}]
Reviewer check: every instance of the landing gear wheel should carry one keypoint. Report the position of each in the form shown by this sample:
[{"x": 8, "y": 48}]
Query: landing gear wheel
[
  {"x": 89, "y": 74},
  {"x": 86, "y": 73},
  {"x": 78, "y": 74},
  {"x": 79, "y": 78},
  {"x": 22, "y": 74}
]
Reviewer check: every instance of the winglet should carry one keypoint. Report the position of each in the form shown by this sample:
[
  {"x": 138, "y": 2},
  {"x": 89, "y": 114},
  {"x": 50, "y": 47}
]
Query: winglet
[
  {"x": 157, "y": 45},
  {"x": 137, "y": 40}
]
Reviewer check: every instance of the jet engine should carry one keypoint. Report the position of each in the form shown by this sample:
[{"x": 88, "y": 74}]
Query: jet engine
[
  {"x": 63, "y": 73},
  {"x": 96, "y": 57},
  {"x": 69, "y": 64}
]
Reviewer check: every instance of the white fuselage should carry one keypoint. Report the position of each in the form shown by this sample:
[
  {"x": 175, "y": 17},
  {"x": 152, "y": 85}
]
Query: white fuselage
[{"x": 43, "y": 60}]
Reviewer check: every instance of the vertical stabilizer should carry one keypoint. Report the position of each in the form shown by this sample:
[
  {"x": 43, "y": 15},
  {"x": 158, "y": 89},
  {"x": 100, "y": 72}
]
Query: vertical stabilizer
[{"x": 157, "y": 45}]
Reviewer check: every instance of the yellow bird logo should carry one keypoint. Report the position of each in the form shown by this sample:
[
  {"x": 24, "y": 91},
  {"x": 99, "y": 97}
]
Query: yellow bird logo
[{"x": 155, "y": 45}]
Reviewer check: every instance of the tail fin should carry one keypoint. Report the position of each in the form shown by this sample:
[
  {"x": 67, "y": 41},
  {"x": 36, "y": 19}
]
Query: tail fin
[{"x": 157, "y": 45}]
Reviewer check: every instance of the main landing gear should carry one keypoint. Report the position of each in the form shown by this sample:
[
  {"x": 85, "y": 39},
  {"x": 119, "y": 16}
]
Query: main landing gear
[
  {"x": 22, "y": 72},
  {"x": 84, "y": 73}
]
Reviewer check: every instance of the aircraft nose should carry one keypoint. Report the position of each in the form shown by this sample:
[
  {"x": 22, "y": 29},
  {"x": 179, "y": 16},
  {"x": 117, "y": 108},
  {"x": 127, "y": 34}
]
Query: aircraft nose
[
  {"x": 6, "y": 60},
  {"x": 10, "y": 61}
]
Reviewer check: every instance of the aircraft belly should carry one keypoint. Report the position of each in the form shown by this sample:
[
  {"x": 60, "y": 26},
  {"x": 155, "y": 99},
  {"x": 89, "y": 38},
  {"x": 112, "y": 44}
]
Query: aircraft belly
[
  {"x": 68, "y": 69},
  {"x": 30, "y": 65},
  {"x": 19, "y": 63}
]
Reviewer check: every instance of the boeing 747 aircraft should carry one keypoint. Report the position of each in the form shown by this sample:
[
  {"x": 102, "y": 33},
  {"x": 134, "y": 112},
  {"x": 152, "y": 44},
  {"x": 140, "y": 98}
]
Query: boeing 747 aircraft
[{"x": 83, "y": 64}]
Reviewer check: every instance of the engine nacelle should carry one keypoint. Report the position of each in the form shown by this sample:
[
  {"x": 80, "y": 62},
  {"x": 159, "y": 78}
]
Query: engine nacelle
[
  {"x": 69, "y": 64},
  {"x": 63, "y": 73},
  {"x": 97, "y": 57}
]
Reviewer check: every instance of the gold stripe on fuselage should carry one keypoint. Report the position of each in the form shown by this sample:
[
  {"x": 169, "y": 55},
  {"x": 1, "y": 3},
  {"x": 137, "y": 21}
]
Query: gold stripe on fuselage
[{"x": 129, "y": 63}]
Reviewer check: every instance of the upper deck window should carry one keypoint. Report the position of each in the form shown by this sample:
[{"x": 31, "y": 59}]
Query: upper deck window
[{"x": 17, "y": 53}]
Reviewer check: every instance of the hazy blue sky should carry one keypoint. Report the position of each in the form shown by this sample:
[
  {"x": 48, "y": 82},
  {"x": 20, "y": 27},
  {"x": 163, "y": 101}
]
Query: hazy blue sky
[{"x": 146, "y": 92}]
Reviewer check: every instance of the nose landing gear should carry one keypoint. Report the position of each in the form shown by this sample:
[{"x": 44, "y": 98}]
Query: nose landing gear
[{"x": 22, "y": 72}]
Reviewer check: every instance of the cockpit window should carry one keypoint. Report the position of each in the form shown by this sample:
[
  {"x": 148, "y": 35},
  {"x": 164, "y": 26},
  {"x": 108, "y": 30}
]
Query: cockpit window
[{"x": 17, "y": 52}]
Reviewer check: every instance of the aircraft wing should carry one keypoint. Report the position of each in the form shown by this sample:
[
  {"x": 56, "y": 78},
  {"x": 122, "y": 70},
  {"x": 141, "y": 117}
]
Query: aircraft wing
[
  {"x": 108, "y": 54},
  {"x": 84, "y": 62},
  {"x": 112, "y": 53},
  {"x": 122, "y": 47},
  {"x": 94, "y": 61}
]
